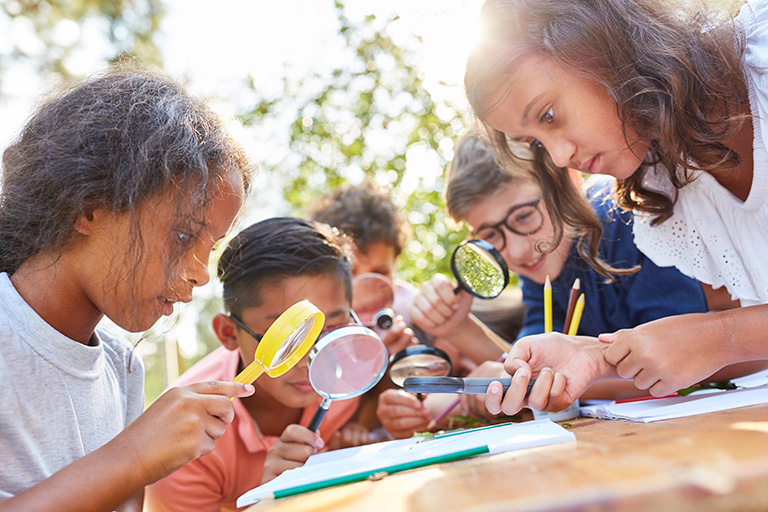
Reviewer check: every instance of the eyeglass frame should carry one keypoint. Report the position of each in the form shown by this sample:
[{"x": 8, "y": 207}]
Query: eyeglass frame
[{"x": 535, "y": 204}]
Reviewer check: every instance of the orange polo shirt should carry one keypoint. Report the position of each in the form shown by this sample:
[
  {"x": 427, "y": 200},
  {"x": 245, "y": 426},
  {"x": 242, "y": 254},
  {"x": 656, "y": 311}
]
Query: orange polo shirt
[{"x": 215, "y": 481}]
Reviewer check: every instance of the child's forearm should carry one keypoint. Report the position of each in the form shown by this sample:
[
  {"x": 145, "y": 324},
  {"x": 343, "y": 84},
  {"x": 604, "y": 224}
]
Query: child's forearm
[
  {"x": 743, "y": 332},
  {"x": 104, "y": 479},
  {"x": 476, "y": 341}
]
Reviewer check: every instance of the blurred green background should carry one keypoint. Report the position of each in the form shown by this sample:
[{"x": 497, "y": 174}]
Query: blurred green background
[{"x": 372, "y": 111}]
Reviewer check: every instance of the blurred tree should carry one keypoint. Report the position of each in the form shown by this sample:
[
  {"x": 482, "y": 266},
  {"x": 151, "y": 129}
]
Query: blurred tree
[
  {"x": 372, "y": 116},
  {"x": 53, "y": 37}
]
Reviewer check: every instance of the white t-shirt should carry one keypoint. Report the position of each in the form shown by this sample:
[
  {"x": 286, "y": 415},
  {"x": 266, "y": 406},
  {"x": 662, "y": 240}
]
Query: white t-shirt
[
  {"x": 713, "y": 236},
  {"x": 59, "y": 399}
]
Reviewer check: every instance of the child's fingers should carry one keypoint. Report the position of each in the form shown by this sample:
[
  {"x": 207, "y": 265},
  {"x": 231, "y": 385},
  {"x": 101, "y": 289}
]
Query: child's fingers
[
  {"x": 663, "y": 388},
  {"x": 616, "y": 352},
  {"x": 539, "y": 397},
  {"x": 225, "y": 388},
  {"x": 299, "y": 434},
  {"x": 493, "y": 398},
  {"x": 558, "y": 400},
  {"x": 515, "y": 399},
  {"x": 608, "y": 337},
  {"x": 644, "y": 379},
  {"x": 392, "y": 397}
]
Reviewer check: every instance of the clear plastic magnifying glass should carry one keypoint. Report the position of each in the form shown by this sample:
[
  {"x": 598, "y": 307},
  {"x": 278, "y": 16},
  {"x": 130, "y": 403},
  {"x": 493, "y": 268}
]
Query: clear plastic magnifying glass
[
  {"x": 344, "y": 363},
  {"x": 285, "y": 342},
  {"x": 479, "y": 269}
]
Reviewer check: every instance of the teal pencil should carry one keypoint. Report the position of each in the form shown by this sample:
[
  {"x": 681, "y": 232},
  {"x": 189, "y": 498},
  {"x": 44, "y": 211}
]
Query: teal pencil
[{"x": 357, "y": 477}]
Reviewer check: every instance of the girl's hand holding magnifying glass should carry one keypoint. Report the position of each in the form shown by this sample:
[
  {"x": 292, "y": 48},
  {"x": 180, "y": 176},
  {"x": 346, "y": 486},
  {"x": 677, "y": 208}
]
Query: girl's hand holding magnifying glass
[
  {"x": 401, "y": 414},
  {"x": 181, "y": 425},
  {"x": 437, "y": 309}
]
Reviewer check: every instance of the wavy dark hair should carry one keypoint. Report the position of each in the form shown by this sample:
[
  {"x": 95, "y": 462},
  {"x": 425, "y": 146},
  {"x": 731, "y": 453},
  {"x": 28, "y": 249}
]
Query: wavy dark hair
[
  {"x": 365, "y": 212},
  {"x": 279, "y": 248},
  {"x": 111, "y": 141},
  {"x": 672, "y": 66},
  {"x": 475, "y": 174}
]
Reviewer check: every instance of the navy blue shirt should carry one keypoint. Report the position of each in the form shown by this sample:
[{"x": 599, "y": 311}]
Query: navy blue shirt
[{"x": 653, "y": 292}]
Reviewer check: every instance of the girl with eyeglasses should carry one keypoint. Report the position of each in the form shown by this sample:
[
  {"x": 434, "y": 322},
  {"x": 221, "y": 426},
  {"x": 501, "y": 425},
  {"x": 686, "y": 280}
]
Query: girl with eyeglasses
[{"x": 505, "y": 208}]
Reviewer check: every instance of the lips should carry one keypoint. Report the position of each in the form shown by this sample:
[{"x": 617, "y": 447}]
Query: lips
[
  {"x": 590, "y": 165},
  {"x": 303, "y": 386},
  {"x": 536, "y": 264}
]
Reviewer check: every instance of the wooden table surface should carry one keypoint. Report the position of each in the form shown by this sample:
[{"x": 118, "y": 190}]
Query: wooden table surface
[{"x": 711, "y": 462}]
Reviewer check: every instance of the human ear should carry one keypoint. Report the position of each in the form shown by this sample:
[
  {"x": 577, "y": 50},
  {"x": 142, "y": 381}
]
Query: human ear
[
  {"x": 86, "y": 221},
  {"x": 226, "y": 331}
]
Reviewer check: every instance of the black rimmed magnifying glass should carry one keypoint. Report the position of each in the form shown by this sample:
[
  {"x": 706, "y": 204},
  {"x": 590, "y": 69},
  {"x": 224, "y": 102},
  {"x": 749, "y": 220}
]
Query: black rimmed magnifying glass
[{"x": 479, "y": 269}]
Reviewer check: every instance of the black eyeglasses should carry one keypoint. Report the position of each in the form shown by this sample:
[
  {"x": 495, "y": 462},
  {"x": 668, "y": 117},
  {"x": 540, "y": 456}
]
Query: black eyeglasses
[
  {"x": 522, "y": 219},
  {"x": 244, "y": 327},
  {"x": 258, "y": 337}
]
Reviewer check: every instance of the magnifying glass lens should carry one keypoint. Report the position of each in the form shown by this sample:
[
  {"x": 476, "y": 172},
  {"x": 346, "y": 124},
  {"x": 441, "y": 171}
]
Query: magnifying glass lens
[
  {"x": 293, "y": 341},
  {"x": 479, "y": 271},
  {"x": 371, "y": 293},
  {"x": 419, "y": 365},
  {"x": 348, "y": 366}
]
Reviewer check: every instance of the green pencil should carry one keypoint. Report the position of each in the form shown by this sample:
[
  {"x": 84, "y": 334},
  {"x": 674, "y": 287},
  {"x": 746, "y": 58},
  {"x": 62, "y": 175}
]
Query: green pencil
[{"x": 357, "y": 477}]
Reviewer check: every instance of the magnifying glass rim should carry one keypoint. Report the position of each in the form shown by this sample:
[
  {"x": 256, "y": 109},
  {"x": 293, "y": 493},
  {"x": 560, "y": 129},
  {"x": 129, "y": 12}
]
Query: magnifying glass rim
[
  {"x": 344, "y": 330},
  {"x": 415, "y": 350},
  {"x": 281, "y": 329},
  {"x": 379, "y": 277},
  {"x": 352, "y": 329},
  {"x": 490, "y": 249}
]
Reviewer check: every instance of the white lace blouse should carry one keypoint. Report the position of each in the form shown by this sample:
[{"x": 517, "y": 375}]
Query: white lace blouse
[{"x": 713, "y": 236}]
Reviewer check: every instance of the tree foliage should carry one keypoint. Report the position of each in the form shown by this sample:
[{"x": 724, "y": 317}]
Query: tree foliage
[
  {"x": 372, "y": 116},
  {"x": 46, "y": 35}
]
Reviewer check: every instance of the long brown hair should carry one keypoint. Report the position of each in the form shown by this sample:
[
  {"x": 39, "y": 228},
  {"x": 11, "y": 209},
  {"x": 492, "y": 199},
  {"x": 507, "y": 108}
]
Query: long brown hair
[{"x": 672, "y": 66}]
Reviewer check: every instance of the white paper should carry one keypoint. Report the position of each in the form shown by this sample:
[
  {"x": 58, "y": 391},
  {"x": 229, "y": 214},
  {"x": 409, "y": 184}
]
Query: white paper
[
  {"x": 351, "y": 461},
  {"x": 700, "y": 402}
]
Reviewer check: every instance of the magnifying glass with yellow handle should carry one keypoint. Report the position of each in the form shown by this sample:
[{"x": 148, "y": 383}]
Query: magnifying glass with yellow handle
[{"x": 285, "y": 342}]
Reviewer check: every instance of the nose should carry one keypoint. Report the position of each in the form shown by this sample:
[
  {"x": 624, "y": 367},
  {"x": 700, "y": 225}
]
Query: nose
[
  {"x": 561, "y": 150},
  {"x": 518, "y": 249},
  {"x": 196, "y": 270}
]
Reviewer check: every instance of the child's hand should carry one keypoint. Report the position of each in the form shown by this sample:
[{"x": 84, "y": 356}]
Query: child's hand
[
  {"x": 437, "y": 309},
  {"x": 564, "y": 367},
  {"x": 352, "y": 434},
  {"x": 474, "y": 405},
  {"x": 401, "y": 413},
  {"x": 181, "y": 425},
  {"x": 670, "y": 353},
  {"x": 397, "y": 337},
  {"x": 292, "y": 450}
]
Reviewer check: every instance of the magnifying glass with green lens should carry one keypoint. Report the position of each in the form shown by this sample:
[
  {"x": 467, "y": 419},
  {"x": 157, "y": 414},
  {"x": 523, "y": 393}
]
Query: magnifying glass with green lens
[
  {"x": 479, "y": 268},
  {"x": 285, "y": 342}
]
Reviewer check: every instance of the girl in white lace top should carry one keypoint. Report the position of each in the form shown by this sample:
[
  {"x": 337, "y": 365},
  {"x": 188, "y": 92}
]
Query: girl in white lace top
[{"x": 670, "y": 98}]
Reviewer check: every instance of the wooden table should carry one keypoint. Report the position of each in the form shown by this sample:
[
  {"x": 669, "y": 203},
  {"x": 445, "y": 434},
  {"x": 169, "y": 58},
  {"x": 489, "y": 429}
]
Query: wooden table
[{"x": 712, "y": 462}]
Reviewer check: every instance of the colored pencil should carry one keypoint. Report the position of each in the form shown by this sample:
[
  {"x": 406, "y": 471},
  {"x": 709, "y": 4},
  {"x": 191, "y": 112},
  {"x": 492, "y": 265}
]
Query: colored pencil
[
  {"x": 578, "y": 310},
  {"x": 547, "y": 305},
  {"x": 575, "y": 289}
]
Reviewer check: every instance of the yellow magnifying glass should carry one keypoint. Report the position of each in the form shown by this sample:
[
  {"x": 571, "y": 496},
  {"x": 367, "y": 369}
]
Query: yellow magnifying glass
[{"x": 285, "y": 342}]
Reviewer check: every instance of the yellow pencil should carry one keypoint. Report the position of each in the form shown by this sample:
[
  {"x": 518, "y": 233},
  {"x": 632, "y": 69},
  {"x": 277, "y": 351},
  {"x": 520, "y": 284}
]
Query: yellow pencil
[
  {"x": 547, "y": 305},
  {"x": 578, "y": 310}
]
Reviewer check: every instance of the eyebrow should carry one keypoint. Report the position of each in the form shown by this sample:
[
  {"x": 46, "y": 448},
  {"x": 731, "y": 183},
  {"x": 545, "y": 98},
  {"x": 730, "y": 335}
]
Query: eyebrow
[
  {"x": 528, "y": 108},
  {"x": 336, "y": 313}
]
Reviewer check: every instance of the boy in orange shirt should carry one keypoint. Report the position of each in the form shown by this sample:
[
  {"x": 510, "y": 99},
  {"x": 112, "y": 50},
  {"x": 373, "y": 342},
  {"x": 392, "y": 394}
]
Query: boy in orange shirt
[{"x": 265, "y": 269}]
